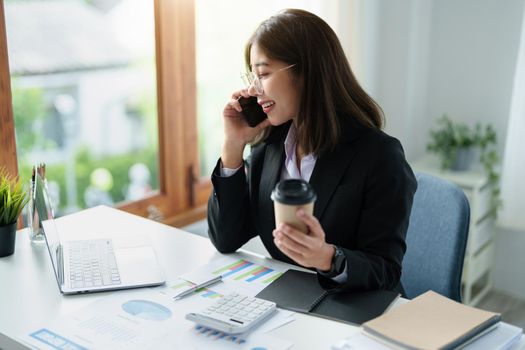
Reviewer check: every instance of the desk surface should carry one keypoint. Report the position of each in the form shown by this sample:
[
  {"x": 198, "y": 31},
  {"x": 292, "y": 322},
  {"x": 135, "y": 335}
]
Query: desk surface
[{"x": 29, "y": 295}]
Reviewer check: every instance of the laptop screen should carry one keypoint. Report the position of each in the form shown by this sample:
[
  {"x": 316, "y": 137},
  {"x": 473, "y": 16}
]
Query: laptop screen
[{"x": 44, "y": 210}]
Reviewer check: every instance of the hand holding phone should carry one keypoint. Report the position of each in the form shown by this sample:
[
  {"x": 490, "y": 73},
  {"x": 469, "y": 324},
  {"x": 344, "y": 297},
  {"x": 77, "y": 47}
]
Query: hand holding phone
[{"x": 252, "y": 111}]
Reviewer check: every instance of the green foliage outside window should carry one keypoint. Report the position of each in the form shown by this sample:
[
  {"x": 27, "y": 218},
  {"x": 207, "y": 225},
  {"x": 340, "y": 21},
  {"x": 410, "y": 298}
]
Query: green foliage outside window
[
  {"x": 86, "y": 162},
  {"x": 28, "y": 113}
]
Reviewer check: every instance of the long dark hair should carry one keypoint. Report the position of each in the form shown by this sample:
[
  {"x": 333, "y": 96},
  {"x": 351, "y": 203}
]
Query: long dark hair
[{"x": 330, "y": 89}]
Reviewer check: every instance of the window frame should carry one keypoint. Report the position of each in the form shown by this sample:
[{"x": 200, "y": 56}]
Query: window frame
[{"x": 182, "y": 193}]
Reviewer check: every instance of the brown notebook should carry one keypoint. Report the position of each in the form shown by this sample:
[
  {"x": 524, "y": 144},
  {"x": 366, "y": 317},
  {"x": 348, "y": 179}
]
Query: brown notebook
[{"x": 431, "y": 321}]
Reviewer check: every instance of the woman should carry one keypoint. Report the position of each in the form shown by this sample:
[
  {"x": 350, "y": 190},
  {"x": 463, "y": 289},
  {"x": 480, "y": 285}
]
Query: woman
[{"x": 323, "y": 128}]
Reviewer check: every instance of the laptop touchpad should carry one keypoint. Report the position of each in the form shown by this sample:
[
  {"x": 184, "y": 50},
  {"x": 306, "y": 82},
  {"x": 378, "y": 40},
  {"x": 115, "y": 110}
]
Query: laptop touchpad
[{"x": 138, "y": 265}]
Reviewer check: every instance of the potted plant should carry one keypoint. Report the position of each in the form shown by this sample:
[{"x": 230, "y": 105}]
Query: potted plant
[
  {"x": 13, "y": 198},
  {"x": 456, "y": 145}
]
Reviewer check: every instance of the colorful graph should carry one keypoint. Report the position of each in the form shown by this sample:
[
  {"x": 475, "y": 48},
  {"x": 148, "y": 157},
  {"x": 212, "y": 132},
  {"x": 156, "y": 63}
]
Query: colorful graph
[
  {"x": 248, "y": 272},
  {"x": 237, "y": 266},
  {"x": 183, "y": 284},
  {"x": 206, "y": 293},
  {"x": 273, "y": 278}
]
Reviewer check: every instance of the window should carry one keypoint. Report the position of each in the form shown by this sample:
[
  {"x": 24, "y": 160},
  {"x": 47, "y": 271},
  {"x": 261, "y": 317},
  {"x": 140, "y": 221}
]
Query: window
[
  {"x": 114, "y": 122},
  {"x": 84, "y": 98}
]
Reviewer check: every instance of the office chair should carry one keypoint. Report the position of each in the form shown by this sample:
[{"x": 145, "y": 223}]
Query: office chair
[{"x": 436, "y": 239}]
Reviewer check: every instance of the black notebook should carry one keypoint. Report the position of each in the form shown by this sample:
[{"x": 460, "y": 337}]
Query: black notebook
[{"x": 300, "y": 291}]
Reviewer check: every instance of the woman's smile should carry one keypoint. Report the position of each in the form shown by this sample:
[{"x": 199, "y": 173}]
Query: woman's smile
[{"x": 267, "y": 106}]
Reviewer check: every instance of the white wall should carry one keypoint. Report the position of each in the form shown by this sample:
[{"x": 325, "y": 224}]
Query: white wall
[
  {"x": 422, "y": 58},
  {"x": 402, "y": 73},
  {"x": 474, "y": 52},
  {"x": 509, "y": 271}
]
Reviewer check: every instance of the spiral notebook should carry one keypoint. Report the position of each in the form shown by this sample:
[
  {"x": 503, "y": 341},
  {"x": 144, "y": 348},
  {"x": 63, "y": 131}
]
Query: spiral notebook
[{"x": 300, "y": 291}]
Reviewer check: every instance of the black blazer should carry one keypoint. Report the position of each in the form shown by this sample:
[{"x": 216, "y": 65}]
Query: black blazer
[{"x": 364, "y": 197}]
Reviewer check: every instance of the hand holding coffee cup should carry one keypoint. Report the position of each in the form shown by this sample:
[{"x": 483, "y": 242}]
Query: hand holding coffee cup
[{"x": 289, "y": 196}]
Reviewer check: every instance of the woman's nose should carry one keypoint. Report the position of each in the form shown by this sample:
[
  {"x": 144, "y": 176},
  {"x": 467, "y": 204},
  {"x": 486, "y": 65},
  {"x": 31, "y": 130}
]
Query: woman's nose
[{"x": 252, "y": 90}]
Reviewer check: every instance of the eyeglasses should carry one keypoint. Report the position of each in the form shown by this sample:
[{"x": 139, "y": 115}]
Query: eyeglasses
[{"x": 251, "y": 79}]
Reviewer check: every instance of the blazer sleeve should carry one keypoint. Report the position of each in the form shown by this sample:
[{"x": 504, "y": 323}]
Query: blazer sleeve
[
  {"x": 229, "y": 217},
  {"x": 389, "y": 187}
]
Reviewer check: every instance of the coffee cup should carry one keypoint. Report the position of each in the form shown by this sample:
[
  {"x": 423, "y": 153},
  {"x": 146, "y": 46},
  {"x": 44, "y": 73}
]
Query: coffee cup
[{"x": 289, "y": 196}]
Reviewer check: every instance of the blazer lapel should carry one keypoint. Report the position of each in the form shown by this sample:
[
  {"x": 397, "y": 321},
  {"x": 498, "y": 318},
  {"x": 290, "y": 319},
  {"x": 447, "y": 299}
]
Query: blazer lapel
[
  {"x": 326, "y": 176},
  {"x": 271, "y": 173},
  {"x": 330, "y": 168}
]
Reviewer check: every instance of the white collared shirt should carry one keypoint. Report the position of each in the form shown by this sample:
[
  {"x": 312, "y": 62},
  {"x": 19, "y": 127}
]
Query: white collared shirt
[{"x": 290, "y": 169}]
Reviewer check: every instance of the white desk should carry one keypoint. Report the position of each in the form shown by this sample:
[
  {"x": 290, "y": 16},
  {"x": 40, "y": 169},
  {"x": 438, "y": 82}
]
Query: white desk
[{"x": 29, "y": 295}]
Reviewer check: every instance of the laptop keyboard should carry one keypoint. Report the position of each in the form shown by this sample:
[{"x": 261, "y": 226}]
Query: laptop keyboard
[{"x": 92, "y": 264}]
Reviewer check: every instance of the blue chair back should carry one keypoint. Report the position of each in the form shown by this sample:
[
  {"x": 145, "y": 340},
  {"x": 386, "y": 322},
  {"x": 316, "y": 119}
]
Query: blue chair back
[{"x": 436, "y": 239}]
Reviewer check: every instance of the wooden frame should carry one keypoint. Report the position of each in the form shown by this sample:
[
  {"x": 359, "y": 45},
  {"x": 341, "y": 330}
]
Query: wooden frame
[
  {"x": 7, "y": 128},
  {"x": 182, "y": 196}
]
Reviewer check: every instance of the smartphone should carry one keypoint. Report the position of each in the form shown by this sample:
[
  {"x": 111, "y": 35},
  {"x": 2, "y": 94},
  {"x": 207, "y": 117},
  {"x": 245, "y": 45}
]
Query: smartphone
[{"x": 252, "y": 111}]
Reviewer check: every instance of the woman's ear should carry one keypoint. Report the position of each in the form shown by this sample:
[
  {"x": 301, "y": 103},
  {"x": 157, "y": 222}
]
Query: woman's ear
[
  {"x": 299, "y": 88},
  {"x": 298, "y": 81},
  {"x": 301, "y": 81}
]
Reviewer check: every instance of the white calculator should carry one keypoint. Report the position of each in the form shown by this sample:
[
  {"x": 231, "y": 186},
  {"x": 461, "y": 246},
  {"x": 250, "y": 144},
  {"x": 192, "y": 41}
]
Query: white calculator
[{"x": 234, "y": 313}]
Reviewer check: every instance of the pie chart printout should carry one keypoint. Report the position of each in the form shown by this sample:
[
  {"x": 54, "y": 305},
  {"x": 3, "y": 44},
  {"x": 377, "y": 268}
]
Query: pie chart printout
[{"x": 147, "y": 310}]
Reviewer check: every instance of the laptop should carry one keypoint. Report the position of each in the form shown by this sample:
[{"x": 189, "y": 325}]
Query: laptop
[{"x": 86, "y": 266}]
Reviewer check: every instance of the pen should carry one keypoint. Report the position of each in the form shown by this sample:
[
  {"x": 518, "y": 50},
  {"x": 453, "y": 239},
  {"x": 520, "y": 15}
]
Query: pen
[{"x": 198, "y": 286}]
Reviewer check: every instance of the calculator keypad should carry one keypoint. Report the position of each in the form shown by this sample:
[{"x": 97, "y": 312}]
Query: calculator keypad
[{"x": 239, "y": 310}]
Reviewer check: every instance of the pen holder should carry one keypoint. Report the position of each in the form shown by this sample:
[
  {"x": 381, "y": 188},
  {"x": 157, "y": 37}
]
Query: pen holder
[{"x": 33, "y": 223}]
